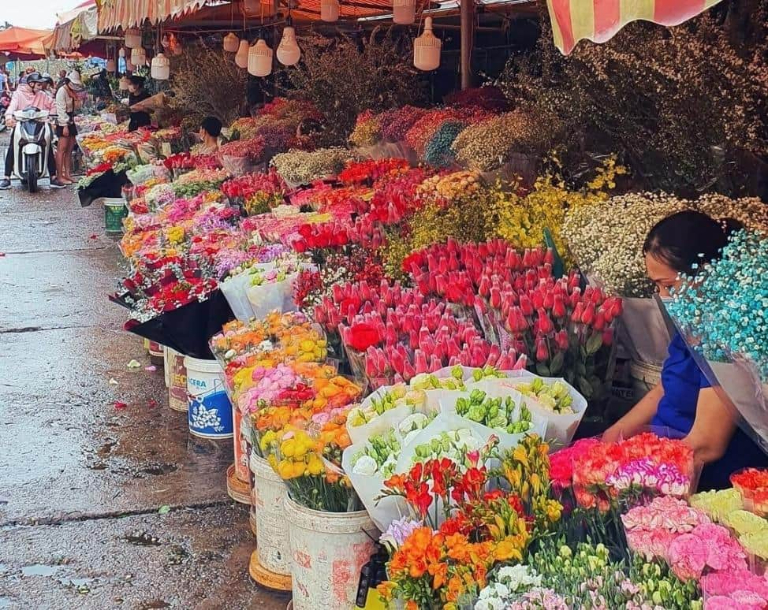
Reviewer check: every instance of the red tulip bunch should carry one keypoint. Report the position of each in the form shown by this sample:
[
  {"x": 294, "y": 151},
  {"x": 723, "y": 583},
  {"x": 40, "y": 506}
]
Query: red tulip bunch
[
  {"x": 243, "y": 188},
  {"x": 349, "y": 300},
  {"x": 340, "y": 232},
  {"x": 406, "y": 341},
  {"x": 520, "y": 305},
  {"x": 458, "y": 272}
]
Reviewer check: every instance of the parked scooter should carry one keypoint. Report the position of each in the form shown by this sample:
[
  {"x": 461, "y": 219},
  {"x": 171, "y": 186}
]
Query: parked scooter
[{"x": 31, "y": 143}]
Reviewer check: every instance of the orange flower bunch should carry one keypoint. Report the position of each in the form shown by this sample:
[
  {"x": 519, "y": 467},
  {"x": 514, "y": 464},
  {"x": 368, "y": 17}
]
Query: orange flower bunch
[{"x": 432, "y": 569}]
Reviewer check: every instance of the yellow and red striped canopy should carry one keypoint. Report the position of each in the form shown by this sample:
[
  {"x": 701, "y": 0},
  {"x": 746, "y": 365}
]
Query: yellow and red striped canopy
[{"x": 599, "y": 20}]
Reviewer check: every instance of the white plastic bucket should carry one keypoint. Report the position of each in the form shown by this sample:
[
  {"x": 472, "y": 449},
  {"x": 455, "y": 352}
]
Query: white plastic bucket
[
  {"x": 268, "y": 502},
  {"x": 210, "y": 412},
  {"x": 178, "y": 399},
  {"x": 328, "y": 551}
]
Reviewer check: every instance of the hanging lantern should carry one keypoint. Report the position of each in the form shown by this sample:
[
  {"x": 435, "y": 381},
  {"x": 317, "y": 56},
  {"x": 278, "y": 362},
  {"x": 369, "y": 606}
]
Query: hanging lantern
[
  {"x": 138, "y": 56},
  {"x": 426, "y": 48},
  {"x": 111, "y": 66},
  {"x": 123, "y": 84},
  {"x": 121, "y": 52},
  {"x": 133, "y": 38},
  {"x": 329, "y": 10},
  {"x": 404, "y": 11},
  {"x": 241, "y": 57},
  {"x": 288, "y": 51},
  {"x": 231, "y": 43},
  {"x": 260, "y": 59},
  {"x": 160, "y": 67}
]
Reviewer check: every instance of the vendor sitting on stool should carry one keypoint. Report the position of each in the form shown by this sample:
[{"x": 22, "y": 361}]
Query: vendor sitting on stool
[
  {"x": 209, "y": 133},
  {"x": 684, "y": 400}
]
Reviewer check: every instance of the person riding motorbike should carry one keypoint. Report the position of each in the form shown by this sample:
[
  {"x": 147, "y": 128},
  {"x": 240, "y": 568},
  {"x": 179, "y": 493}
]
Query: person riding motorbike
[{"x": 28, "y": 94}]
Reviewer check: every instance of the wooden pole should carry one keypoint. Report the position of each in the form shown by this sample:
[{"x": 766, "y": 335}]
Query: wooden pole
[{"x": 467, "y": 40}]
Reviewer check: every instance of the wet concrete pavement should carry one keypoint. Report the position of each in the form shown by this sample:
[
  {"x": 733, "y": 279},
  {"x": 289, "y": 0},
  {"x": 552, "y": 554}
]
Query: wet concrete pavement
[{"x": 82, "y": 481}]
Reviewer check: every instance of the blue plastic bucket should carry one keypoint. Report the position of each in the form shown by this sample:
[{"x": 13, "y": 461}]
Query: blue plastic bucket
[{"x": 210, "y": 412}]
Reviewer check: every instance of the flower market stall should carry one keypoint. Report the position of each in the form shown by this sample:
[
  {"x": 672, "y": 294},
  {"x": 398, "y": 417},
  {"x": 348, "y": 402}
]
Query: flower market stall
[{"x": 403, "y": 375}]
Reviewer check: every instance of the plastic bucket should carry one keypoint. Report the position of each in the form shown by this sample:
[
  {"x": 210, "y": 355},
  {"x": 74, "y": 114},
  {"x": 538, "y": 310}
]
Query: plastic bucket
[
  {"x": 156, "y": 353},
  {"x": 268, "y": 502},
  {"x": 328, "y": 551},
  {"x": 645, "y": 376},
  {"x": 178, "y": 399},
  {"x": 240, "y": 443},
  {"x": 210, "y": 412},
  {"x": 166, "y": 368},
  {"x": 115, "y": 211}
]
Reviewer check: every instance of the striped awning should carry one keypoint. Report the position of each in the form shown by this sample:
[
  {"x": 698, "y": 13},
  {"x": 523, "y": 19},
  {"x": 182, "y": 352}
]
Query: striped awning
[
  {"x": 76, "y": 27},
  {"x": 599, "y": 20},
  {"x": 126, "y": 14}
]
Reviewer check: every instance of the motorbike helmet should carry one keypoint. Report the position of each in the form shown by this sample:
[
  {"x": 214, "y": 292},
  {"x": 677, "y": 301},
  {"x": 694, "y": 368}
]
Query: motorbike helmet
[
  {"x": 46, "y": 78},
  {"x": 34, "y": 77}
]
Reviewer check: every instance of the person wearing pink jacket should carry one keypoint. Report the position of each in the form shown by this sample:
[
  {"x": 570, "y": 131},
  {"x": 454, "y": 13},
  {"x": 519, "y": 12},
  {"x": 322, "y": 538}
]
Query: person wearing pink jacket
[{"x": 28, "y": 94}]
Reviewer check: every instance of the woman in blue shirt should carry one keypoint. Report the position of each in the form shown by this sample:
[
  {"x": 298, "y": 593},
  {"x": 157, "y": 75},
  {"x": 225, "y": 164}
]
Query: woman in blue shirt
[{"x": 684, "y": 400}]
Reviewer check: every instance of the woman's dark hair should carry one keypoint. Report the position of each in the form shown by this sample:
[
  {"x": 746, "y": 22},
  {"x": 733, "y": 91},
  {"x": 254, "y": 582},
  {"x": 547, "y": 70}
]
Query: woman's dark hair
[
  {"x": 137, "y": 80},
  {"x": 689, "y": 238},
  {"x": 212, "y": 125}
]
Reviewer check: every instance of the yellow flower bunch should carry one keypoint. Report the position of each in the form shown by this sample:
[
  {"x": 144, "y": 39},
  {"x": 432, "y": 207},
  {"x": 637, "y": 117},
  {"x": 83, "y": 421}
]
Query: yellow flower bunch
[
  {"x": 522, "y": 218},
  {"x": 175, "y": 234},
  {"x": 451, "y": 186},
  {"x": 463, "y": 218},
  {"x": 298, "y": 457}
]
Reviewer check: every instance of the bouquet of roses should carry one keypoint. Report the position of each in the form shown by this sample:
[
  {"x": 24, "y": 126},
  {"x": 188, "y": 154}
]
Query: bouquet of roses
[
  {"x": 251, "y": 149},
  {"x": 370, "y": 171}
]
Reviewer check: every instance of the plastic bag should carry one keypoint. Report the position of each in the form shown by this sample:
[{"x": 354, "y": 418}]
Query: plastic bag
[
  {"x": 274, "y": 296},
  {"x": 237, "y": 166},
  {"x": 444, "y": 422},
  {"x": 507, "y": 440},
  {"x": 560, "y": 427},
  {"x": 644, "y": 331},
  {"x": 369, "y": 488}
]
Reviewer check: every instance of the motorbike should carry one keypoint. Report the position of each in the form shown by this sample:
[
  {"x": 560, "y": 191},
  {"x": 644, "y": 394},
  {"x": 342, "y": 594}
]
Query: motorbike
[{"x": 31, "y": 143}]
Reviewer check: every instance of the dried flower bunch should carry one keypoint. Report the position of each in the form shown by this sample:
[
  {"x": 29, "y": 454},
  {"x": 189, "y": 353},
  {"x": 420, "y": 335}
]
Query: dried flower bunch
[
  {"x": 606, "y": 239},
  {"x": 301, "y": 167},
  {"x": 488, "y": 144}
]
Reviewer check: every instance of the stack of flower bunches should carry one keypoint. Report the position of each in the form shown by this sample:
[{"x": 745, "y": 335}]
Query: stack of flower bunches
[{"x": 523, "y": 308}]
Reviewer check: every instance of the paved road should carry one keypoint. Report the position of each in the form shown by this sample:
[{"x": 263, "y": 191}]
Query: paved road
[{"x": 81, "y": 481}]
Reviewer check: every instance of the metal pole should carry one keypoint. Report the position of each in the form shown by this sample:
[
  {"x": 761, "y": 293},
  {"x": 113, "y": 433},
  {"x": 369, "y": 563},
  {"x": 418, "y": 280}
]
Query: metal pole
[{"x": 467, "y": 40}]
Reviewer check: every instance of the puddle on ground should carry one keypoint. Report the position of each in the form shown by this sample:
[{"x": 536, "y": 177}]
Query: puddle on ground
[
  {"x": 142, "y": 539},
  {"x": 155, "y": 603},
  {"x": 159, "y": 469},
  {"x": 39, "y": 570}
]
